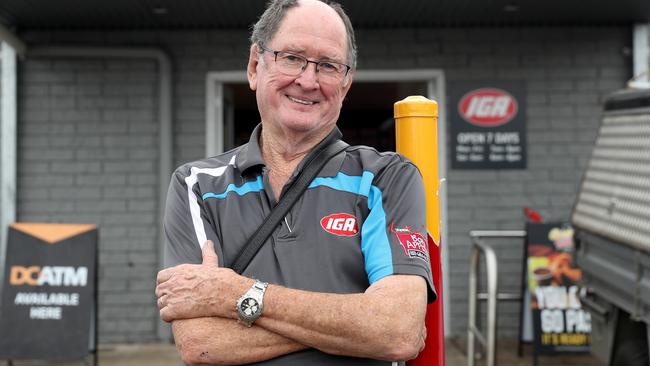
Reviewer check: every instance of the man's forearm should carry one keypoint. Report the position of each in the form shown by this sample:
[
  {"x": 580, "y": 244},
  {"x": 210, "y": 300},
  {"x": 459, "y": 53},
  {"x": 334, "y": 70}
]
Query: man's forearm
[
  {"x": 386, "y": 322},
  {"x": 220, "y": 341}
]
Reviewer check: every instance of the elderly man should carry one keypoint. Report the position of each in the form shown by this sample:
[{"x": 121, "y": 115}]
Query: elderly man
[{"x": 338, "y": 282}]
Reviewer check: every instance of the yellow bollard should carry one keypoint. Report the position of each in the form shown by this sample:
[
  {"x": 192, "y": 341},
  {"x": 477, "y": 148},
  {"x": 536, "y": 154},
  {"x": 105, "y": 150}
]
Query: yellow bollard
[{"x": 416, "y": 128}]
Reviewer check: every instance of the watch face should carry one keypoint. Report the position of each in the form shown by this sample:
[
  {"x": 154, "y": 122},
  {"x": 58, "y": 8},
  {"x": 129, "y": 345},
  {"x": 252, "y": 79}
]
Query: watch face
[{"x": 249, "y": 307}]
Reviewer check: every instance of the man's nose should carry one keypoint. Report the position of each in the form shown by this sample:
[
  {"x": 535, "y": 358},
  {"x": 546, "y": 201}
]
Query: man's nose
[{"x": 309, "y": 76}]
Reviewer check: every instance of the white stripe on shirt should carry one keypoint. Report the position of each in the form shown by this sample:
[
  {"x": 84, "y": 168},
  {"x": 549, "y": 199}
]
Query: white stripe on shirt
[{"x": 195, "y": 210}]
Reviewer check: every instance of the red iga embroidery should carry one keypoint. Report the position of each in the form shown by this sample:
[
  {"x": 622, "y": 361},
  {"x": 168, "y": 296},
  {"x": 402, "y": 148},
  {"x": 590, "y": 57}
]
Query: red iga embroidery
[{"x": 341, "y": 224}]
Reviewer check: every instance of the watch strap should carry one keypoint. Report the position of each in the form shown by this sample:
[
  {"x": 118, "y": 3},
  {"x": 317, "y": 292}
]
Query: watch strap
[{"x": 259, "y": 286}]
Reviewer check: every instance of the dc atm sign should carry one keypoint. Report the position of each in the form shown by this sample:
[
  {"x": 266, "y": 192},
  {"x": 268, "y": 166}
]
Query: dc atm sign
[
  {"x": 488, "y": 126},
  {"x": 49, "y": 296}
]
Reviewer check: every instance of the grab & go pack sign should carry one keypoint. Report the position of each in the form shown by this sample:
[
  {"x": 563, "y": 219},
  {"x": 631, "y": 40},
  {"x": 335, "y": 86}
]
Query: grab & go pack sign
[{"x": 559, "y": 322}]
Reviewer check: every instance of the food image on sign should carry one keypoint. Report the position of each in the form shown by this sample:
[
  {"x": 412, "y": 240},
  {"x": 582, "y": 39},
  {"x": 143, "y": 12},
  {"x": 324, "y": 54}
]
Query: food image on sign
[{"x": 560, "y": 323}]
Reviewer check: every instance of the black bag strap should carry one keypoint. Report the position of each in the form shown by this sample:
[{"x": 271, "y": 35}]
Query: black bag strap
[{"x": 289, "y": 198}]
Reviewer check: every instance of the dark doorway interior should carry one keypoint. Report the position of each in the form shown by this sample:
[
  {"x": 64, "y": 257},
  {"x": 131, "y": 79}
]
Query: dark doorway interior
[{"x": 366, "y": 117}]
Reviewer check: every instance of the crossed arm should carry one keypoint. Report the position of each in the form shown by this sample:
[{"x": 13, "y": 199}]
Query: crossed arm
[
  {"x": 385, "y": 322},
  {"x": 218, "y": 341}
]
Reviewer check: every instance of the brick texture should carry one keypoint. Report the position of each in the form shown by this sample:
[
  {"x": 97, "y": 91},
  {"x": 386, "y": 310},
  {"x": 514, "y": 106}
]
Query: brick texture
[
  {"x": 87, "y": 153},
  {"x": 564, "y": 102},
  {"x": 88, "y": 141}
]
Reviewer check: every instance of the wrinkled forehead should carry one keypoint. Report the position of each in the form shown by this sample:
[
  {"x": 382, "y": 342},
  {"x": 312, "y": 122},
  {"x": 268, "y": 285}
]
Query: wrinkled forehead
[{"x": 312, "y": 26}]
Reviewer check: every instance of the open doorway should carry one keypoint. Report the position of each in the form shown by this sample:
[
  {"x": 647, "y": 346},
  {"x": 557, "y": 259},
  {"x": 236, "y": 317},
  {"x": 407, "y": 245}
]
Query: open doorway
[{"x": 366, "y": 119}]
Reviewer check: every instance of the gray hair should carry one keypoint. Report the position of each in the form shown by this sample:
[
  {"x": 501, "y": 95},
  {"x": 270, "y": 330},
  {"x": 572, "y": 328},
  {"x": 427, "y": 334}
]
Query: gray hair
[{"x": 267, "y": 25}]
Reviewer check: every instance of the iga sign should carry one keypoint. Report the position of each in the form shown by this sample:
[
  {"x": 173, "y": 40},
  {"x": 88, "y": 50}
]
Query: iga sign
[
  {"x": 48, "y": 294},
  {"x": 487, "y": 107},
  {"x": 488, "y": 126}
]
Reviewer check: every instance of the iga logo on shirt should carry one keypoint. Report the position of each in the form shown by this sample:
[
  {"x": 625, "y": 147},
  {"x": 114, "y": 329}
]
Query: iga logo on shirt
[{"x": 340, "y": 224}]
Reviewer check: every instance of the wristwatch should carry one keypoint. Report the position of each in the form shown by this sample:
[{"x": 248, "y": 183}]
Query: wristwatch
[{"x": 250, "y": 305}]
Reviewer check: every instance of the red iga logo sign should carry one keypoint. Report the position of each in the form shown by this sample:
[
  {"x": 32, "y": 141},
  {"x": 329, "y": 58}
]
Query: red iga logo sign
[
  {"x": 414, "y": 244},
  {"x": 340, "y": 224},
  {"x": 488, "y": 107}
]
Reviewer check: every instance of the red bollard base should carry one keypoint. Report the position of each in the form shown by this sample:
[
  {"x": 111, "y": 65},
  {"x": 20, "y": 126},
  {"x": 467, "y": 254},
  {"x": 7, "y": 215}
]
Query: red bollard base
[{"x": 434, "y": 351}]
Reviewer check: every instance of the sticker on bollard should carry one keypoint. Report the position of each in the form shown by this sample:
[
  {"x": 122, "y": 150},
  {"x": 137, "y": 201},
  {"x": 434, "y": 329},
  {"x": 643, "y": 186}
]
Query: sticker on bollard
[{"x": 48, "y": 292}]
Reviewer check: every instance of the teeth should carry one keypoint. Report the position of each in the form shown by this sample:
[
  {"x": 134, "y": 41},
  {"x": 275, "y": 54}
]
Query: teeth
[{"x": 300, "y": 101}]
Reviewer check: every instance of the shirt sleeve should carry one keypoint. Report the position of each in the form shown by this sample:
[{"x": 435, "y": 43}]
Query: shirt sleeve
[
  {"x": 185, "y": 225},
  {"x": 394, "y": 235}
]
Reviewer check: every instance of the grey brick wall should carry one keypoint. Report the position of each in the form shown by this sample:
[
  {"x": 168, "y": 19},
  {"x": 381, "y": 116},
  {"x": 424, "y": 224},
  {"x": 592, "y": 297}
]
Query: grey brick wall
[
  {"x": 568, "y": 72},
  {"x": 88, "y": 140},
  {"x": 87, "y": 153}
]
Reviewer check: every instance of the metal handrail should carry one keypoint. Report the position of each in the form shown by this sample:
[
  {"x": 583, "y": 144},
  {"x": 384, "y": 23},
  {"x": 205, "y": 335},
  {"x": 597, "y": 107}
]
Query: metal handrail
[{"x": 492, "y": 295}]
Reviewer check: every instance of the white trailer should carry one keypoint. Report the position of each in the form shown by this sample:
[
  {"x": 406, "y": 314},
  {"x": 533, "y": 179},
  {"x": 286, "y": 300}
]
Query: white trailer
[{"x": 611, "y": 218}]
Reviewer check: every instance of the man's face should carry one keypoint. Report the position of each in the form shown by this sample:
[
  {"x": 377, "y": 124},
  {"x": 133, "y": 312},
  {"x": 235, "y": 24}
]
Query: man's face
[{"x": 306, "y": 103}]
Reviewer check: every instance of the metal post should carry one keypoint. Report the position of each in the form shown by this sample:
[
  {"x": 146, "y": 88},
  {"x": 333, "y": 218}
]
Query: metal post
[
  {"x": 471, "y": 317},
  {"x": 8, "y": 124},
  {"x": 473, "y": 333},
  {"x": 492, "y": 295},
  {"x": 492, "y": 276}
]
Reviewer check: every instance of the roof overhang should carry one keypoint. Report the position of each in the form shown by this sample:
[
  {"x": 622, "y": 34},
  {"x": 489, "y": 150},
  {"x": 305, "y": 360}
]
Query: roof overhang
[{"x": 21, "y": 15}]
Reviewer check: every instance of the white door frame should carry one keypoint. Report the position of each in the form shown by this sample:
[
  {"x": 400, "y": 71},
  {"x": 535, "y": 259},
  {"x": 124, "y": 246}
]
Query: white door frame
[{"x": 435, "y": 80}]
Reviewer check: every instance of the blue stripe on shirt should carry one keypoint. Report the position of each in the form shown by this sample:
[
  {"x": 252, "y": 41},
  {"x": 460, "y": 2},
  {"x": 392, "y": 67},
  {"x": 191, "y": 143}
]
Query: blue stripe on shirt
[
  {"x": 252, "y": 186},
  {"x": 375, "y": 245}
]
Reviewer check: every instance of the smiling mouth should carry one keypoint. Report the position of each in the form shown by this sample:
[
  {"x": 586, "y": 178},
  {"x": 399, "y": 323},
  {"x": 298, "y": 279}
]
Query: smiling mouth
[{"x": 300, "y": 101}]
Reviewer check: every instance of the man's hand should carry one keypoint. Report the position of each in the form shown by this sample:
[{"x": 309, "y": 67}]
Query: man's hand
[
  {"x": 198, "y": 290},
  {"x": 423, "y": 338}
]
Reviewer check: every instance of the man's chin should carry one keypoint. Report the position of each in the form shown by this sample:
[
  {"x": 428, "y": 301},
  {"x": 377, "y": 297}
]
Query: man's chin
[
  {"x": 303, "y": 126},
  {"x": 307, "y": 125}
]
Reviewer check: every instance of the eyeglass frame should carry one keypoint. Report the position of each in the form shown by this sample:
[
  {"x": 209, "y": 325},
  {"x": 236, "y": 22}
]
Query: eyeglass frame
[{"x": 307, "y": 61}]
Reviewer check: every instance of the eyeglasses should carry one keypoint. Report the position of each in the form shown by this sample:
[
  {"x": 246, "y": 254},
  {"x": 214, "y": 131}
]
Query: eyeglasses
[{"x": 291, "y": 64}]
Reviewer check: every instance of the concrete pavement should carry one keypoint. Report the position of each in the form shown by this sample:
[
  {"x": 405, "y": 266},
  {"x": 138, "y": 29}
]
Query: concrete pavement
[
  {"x": 165, "y": 355},
  {"x": 157, "y": 354}
]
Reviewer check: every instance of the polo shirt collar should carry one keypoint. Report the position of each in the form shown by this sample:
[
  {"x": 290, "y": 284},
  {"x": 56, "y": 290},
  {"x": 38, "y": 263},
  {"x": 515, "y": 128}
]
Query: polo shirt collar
[{"x": 250, "y": 155}]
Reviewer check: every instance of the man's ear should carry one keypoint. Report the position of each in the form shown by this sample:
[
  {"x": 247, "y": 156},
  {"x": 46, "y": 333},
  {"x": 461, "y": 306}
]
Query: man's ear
[
  {"x": 251, "y": 70},
  {"x": 347, "y": 83}
]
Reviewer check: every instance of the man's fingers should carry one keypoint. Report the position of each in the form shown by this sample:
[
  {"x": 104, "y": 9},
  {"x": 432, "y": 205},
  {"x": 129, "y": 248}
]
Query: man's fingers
[
  {"x": 163, "y": 275},
  {"x": 209, "y": 255},
  {"x": 166, "y": 315}
]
